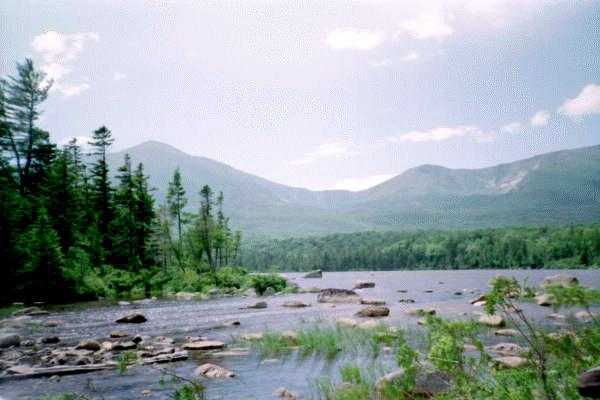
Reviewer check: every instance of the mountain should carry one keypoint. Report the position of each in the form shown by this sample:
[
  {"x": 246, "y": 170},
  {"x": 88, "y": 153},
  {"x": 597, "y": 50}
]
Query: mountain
[{"x": 559, "y": 187}]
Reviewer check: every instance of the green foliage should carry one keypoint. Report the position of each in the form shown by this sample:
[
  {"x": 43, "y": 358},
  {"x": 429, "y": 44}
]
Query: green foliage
[
  {"x": 261, "y": 282},
  {"x": 124, "y": 360}
]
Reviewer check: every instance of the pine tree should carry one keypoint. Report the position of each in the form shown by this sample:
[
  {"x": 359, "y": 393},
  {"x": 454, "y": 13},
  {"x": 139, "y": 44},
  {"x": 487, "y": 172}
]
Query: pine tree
[
  {"x": 176, "y": 202},
  {"x": 206, "y": 224},
  {"x": 144, "y": 216},
  {"x": 123, "y": 226}
]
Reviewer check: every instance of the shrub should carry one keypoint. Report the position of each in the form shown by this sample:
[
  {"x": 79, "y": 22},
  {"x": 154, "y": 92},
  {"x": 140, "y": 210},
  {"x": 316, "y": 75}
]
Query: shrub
[{"x": 261, "y": 282}]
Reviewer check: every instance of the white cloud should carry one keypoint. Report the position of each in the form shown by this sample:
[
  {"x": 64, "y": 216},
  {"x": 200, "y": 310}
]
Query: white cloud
[
  {"x": 352, "y": 39},
  {"x": 119, "y": 76},
  {"x": 81, "y": 141},
  {"x": 336, "y": 149},
  {"x": 58, "y": 52},
  {"x": 386, "y": 62},
  {"x": 411, "y": 56},
  {"x": 429, "y": 25},
  {"x": 356, "y": 184},
  {"x": 444, "y": 133},
  {"x": 540, "y": 118},
  {"x": 513, "y": 127},
  {"x": 586, "y": 103}
]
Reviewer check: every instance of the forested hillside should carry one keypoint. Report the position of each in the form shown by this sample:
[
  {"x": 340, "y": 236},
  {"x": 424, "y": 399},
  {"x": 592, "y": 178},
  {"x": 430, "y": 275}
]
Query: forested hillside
[{"x": 544, "y": 247}]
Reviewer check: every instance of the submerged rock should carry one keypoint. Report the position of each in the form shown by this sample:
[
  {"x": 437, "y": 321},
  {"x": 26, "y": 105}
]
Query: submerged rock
[
  {"x": 406, "y": 301},
  {"x": 373, "y": 311},
  {"x": 314, "y": 274},
  {"x": 50, "y": 340},
  {"x": 204, "y": 345},
  {"x": 284, "y": 394},
  {"x": 252, "y": 336},
  {"x": 213, "y": 371},
  {"x": 588, "y": 383},
  {"x": 258, "y": 306},
  {"x": 135, "y": 318},
  {"x": 507, "y": 349},
  {"x": 544, "y": 300},
  {"x": 118, "y": 334},
  {"x": 338, "y": 296},
  {"x": 560, "y": 280},
  {"x": 506, "y": 332},
  {"x": 363, "y": 285}
]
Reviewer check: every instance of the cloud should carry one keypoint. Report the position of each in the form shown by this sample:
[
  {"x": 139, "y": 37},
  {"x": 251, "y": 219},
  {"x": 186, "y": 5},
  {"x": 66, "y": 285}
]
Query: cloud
[
  {"x": 386, "y": 62},
  {"x": 352, "y": 39},
  {"x": 444, "y": 133},
  {"x": 356, "y": 184},
  {"x": 513, "y": 127},
  {"x": 119, "y": 76},
  {"x": 81, "y": 141},
  {"x": 429, "y": 25},
  {"x": 540, "y": 118},
  {"x": 411, "y": 56},
  {"x": 336, "y": 149},
  {"x": 58, "y": 52},
  {"x": 586, "y": 103}
]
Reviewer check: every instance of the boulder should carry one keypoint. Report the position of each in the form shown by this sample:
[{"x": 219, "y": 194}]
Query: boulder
[
  {"x": 544, "y": 300},
  {"x": 118, "y": 334},
  {"x": 491, "y": 320},
  {"x": 428, "y": 383},
  {"x": 406, "y": 301},
  {"x": 346, "y": 322},
  {"x": 250, "y": 337},
  {"x": 363, "y": 285},
  {"x": 135, "y": 318},
  {"x": 510, "y": 361},
  {"x": 478, "y": 299},
  {"x": 213, "y": 371},
  {"x": 560, "y": 280},
  {"x": 50, "y": 340},
  {"x": 373, "y": 311},
  {"x": 126, "y": 345},
  {"x": 204, "y": 345},
  {"x": 588, "y": 383},
  {"x": 507, "y": 349},
  {"x": 295, "y": 304},
  {"x": 506, "y": 332},
  {"x": 338, "y": 296},
  {"x": 420, "y": 312},
  {"x": 284, "y": 394},
  {"x": 314, "y": 274},
  {"x": 185, "y": 296},
  {"x": 372, "y": 302},
  {"x": 9, "y": 340},
  {"x": 88, "y": 344},
  {"x": 258, "y": 306}
]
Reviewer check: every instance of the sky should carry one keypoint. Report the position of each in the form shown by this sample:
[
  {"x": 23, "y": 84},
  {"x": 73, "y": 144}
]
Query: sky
[{"x": 318, "y": 94}]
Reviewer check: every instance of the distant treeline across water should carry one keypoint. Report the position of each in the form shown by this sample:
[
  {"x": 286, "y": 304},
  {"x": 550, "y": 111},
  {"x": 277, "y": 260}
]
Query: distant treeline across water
[{"x": 525, "y": 247}]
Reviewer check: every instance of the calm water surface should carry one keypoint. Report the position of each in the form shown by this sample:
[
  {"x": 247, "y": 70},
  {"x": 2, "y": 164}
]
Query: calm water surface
[{"x": 258, "y": 378}]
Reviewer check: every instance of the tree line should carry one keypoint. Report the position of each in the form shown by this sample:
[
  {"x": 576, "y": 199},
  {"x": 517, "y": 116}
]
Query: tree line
[
  {"x": 69, "y": 230},
  {"x": 527, "y": 247}
]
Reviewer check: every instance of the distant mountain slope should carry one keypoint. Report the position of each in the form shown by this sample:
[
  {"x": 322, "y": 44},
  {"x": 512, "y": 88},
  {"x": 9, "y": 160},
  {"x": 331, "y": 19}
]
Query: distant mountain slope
[{"x": 559, "y": 187}]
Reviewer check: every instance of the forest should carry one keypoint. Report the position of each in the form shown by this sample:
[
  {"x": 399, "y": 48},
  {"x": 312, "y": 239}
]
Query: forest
[
  {"x": 523, "y": 247},
  {"x": 71, "y": 230}
]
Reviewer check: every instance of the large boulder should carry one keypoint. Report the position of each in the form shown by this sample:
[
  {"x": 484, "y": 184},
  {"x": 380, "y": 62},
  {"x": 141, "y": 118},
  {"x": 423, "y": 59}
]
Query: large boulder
[
  {"x": 314, "y": 274},
  {"x": 373, "y": 311},
  {"x": 363, "y": 285},
  {"x": 213, "y": 371},
  {"x": 560, "y": 280},
  {"x": 495, "y": 321},
  {"x": 588, "y": 383},
  {"x": 428, "y": 383},
  {"x": 9, "y": 340},
  {"x": 135, "y": 318},
  {"x": 338, "y": 296}
]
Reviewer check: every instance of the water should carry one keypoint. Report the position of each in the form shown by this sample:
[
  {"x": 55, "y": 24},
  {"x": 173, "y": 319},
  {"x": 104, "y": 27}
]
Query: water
[{"x": 258, "y": 378}]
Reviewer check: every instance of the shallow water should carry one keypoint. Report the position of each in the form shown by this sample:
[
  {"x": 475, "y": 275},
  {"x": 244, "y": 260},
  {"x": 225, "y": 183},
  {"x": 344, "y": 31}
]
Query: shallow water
[{"x": 258, "y": 378}]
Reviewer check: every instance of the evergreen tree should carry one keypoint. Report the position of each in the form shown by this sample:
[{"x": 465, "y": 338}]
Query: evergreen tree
[
  {"x": 206, "y": 224},
  {"x": 144, "y": 217},
  {"x": 123, "y": 227},
  {"x": 176, "y": 202}
]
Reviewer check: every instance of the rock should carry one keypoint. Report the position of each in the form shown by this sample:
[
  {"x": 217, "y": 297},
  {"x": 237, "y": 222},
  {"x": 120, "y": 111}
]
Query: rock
[
  {"x": 374, "y": 311},
  {"x": 9, "y": 340},
  {"x": 544, "y": 300},
  {"x": 428, "y": 383},
  {"x": 422, "y": 322},
  {"x": 479, "y": 304},
  {"x": 284, "y": 394},
  {"x": 236, "y": 352},
  {"x": 137, "y": 339},
  {"x": 372, "y": 302},
  {"x": 88, "y": 344},
  {"x": 213, "y": 371},
  {"x": 127, "y": 345},
  {"x": 338, "y": 296},
  {"x": 204, "y": 345},
  {"x": 507, "y": 349},
  {"x": 588, "y": 383},
  {"x": 557, "y": 317},
  {"x": 31, "y": 311},
  {"x": 50, "y": 339},
  {"x": 402, "y": 291},
  {"x": 314, "y": 274},
  {"x": 27, "y": 343},
  {"x": 252, "y": 336},
  {"x": 313, "y": 289},
  {"x": 269, "y": 292},
  {"x": 123, "y": 303},
  {"x": 290, "y": 336},
  {"x": 185, "y": 296},
  {"x": 506, "y": 332},
  {"x": 106, "y": 346},
  {"x": 491, "y": 320},
  {"x": 478, "y": 299},
  {"x": 560, "y": 280},
  {"x": 458, "y": 293},
  {"x": 363, "y": 285},
  {"x": 51, "y": 323},
  {"x": 118, "y": 334},
  {"x": 347, "y": 322},
  {"x": 511, "y": 361},
  {"x": 406, "y": 301},
  {"x": 258, "y": 306},
  {"x": 469, "y": 348},
  {"x": 146, "y": 392},
  {"x": 584, "y": 316},
  {"x": 132, "y": 319},
  {"x": 295, "y": 304},
  {"x": 428, "y": 291},
  {"x": 420, "y": 312}
]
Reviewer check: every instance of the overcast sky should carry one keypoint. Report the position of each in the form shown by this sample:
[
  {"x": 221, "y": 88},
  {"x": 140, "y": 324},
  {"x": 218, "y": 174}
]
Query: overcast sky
[{"x": 319, "y": 94}]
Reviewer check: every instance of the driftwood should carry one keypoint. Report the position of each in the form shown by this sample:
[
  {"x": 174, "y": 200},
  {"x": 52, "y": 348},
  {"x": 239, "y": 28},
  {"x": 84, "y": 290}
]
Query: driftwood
[{"x": 25, "y": 372}]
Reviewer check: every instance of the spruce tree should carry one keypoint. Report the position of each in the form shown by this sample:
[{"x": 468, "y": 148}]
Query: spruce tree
[
  {"x": 176, "y": 202},
  {"x": 144, "y": 216}
]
